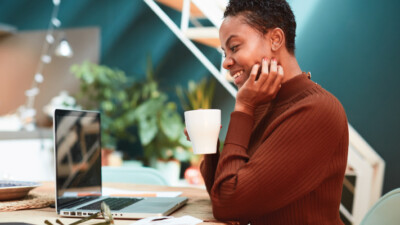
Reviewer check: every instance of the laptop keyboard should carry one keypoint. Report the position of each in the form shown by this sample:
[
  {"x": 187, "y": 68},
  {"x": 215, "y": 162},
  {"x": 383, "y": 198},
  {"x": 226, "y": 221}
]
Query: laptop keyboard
[
  {"x": 74, "y": 201},
  {"x": 113, "y": 203}
]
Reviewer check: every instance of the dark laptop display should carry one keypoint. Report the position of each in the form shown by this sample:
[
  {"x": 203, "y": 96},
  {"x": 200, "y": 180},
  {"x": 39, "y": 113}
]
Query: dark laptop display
[{"x": 78, "y": 155}]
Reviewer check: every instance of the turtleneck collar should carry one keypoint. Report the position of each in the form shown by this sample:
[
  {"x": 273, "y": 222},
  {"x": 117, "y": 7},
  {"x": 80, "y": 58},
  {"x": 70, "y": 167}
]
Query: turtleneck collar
[{"x": 292, "y": 87}]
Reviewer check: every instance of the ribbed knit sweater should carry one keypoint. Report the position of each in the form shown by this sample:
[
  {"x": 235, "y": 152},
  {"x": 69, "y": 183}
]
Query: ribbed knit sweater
[{"x": 284, "y": 165}]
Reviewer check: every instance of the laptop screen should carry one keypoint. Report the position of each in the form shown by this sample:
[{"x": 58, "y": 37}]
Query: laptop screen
[{"x": 77, "y": 153}]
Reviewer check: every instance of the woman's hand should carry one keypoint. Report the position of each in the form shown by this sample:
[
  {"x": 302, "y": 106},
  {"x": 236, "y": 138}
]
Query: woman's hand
[
  {"x": 186, "y": 134},
  {"x": 262, "y": 90}
]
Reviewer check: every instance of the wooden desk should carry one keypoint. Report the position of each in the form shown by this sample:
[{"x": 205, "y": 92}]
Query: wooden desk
[{"x": 199, "y": 206}]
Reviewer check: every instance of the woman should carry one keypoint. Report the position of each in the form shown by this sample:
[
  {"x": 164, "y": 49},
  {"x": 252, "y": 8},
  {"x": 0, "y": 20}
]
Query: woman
[{"x": 285, "y": 152}]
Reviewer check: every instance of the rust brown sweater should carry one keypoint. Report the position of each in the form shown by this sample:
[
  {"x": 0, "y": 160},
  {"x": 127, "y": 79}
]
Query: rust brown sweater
[{"x": 286, "y": 164}]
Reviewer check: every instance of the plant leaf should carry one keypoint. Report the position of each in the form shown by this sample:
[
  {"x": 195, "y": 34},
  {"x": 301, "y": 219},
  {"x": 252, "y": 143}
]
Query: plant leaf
[
  {"x": 171, "y": 124},
  {"x": 147, "y": 129}
]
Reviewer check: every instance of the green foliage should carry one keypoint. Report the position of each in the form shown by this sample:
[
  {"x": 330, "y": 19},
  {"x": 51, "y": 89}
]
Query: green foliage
[
  {"x": 197, "y": 96},
  {"x": 159, "y": 124},
  {"x": 126, "y": 103},
  {"x": 103, "y": 89}
]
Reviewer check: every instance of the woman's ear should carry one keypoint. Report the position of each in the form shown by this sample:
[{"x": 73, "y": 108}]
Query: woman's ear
[{"x": 277, "y": 39}]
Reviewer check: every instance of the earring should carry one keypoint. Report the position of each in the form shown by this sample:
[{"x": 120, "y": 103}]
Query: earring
[{"x": 274, "y": 46}]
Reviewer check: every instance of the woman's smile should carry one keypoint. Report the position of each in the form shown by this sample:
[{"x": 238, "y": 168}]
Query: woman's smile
[{"x": 239, "y": 77}]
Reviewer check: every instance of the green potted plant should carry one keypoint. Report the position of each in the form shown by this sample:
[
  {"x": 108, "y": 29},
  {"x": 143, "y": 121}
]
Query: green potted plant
[
  {"x": 103, "y": 89},
  {"x": 199, "y": 95},
  {"x": 160, "y": 126},
  {"x": 125, "y": 103}
]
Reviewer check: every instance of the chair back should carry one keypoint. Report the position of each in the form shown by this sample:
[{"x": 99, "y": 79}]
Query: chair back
[
  {"x": 386, "y": 211},
  {"x": 136, "y": 175}
]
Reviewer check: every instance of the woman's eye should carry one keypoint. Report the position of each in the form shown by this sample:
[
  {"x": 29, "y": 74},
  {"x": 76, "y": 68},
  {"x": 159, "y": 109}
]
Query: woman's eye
[{"x": 234, "y": 48}]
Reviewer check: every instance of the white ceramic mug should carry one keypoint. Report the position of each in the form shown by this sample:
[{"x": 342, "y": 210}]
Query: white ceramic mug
[{"x": 203, "y": 126}]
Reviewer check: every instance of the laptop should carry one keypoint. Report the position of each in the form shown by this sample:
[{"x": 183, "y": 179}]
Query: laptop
[{"x": 77, "y": 145}]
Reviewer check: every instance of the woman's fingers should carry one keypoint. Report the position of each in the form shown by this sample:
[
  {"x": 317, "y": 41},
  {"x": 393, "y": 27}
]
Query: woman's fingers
[
  {"x": 273, "y": 72},
  {"x": 264, "y": 70},
  {"x": 278, "y": 80},
  {"x": 274, "y": 67},
  {"x": 269, "y": 74},
  {"x": 252, "y": 77},
  {"x": 270, "y": 82},
  {"x": 254, "y": 72},
  {"x": 186, "y": 134},
  {"x": 264, "y": 74}
]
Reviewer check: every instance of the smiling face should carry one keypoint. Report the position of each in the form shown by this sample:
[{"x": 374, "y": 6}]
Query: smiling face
[{"x": 244, "y": 46}]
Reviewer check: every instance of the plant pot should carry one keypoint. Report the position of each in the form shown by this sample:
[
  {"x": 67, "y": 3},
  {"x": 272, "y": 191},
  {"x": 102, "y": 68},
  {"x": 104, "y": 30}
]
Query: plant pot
[
  {"x": 105, "y": 155},
  {"x": 170, "y": 169},
  {"x": 193, "y": 175}
]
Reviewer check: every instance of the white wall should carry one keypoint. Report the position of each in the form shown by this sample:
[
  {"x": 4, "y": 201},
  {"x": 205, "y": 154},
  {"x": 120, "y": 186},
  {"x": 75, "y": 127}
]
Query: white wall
[{"x": 27, "y": 160}]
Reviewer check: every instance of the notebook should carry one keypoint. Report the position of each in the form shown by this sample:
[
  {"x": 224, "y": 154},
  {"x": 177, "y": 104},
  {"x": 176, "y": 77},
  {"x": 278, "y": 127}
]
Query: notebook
[{"x": 77, "y": 145}]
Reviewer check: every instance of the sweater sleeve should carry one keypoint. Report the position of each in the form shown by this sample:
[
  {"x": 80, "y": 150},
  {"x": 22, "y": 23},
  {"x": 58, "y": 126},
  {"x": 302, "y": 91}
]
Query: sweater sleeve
[
  {"x": 288, "y": 164},
  {"x": 208, "y": 167}
]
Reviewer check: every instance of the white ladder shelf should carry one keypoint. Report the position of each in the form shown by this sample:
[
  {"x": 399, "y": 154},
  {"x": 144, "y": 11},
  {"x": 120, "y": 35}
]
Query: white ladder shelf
[{"x": 206, "y": 35}]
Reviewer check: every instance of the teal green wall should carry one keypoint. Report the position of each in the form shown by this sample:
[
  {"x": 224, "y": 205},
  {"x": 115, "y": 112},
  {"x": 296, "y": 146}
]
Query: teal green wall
[{"x": 351, "y": 47}]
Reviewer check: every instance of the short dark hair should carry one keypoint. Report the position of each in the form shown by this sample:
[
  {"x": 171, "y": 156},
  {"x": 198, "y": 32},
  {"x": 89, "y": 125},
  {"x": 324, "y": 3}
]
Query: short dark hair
[{"x": 264, "y": 15}]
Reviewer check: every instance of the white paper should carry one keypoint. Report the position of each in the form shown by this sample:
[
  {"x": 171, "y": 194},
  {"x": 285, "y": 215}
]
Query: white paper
[
  {"x": 169, "y": 220},
  {"x": 116, "y": 192}
]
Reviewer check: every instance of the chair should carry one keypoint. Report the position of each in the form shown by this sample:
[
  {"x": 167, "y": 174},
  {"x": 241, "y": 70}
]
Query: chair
[
  {"x": 386, "y": 211},
  {"x": 136, "y": 175}
]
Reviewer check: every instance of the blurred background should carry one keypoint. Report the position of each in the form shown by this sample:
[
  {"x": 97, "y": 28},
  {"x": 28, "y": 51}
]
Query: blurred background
[{"x": 350, "y": 47}]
